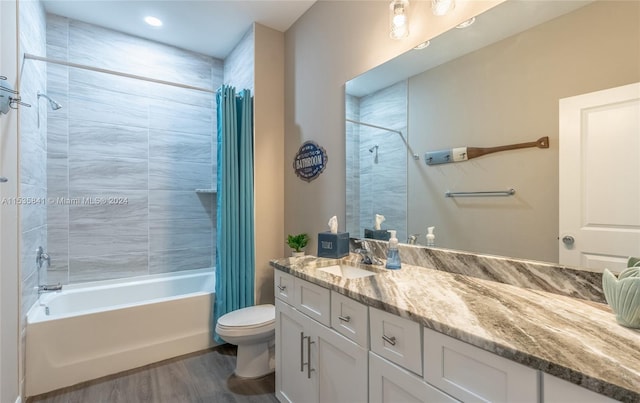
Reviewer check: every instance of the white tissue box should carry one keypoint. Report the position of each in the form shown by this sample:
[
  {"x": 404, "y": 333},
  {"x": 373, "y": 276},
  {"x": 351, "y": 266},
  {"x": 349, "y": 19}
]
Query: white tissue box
[{"x": 333, "y": 245}]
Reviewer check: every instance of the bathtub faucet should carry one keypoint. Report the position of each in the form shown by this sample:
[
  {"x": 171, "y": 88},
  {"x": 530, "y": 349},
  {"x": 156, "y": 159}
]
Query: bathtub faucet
[{"x": 49, "y": 288}]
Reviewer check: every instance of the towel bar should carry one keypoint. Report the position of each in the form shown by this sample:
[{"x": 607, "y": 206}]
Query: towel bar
[{"x": 491, "y": 193}]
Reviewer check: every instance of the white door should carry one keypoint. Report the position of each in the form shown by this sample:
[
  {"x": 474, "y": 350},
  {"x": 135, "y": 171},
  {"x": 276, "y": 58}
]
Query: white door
[
  {"x": 9, "y": 277},
  {"x": 600, "y": 178}
]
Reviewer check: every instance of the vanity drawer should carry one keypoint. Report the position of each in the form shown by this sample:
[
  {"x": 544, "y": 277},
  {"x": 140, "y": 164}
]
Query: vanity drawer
[
  {"x": 471, "y": 374},
  {"x": 283, "y": 286},
  {"x": 396, "y": 339},
  {"x": 350, "y": 318},
  {"x": 312, "y": 300}
]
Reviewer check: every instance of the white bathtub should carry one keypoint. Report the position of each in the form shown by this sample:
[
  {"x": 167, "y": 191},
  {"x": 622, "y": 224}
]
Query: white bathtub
[{"x": 101, "y": 328}]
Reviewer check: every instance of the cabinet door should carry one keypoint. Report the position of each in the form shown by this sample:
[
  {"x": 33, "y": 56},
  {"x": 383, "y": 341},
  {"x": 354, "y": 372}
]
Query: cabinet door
[
  {"x": 474, "y": 375},
  {"x": 556, "y": 390},
  {"x": 389, "y": 383},
  {"x": 341, "y": 365},
  {"x": 292, "y": 383}
]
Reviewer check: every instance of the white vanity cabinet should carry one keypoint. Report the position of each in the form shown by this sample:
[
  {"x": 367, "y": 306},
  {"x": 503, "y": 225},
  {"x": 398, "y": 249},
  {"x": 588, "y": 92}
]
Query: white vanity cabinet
[
  {"x": 314, "y": 363},
  {"x": 330, "y": 348}
]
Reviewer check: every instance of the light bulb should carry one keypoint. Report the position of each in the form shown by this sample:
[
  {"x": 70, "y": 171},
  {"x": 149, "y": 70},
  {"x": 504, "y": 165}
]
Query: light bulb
[
  {"x": 153, "y": 21},
  {"x": 399, "y": 22},
  {"x": 441, "y": 7}
]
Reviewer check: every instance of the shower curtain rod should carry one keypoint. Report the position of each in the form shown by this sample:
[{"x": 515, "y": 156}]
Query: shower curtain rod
[
  {"x": 115, "y": 73},
  {"x": 374, "y": 126}
]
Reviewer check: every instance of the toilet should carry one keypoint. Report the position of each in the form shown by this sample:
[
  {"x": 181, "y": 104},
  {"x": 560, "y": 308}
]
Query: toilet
[{"x": 253, "y": 330}]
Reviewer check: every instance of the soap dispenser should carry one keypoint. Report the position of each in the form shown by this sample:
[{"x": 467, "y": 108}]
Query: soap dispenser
[
  {"x": 393, "y": 256},
  {"x": 431, "y": 238}
]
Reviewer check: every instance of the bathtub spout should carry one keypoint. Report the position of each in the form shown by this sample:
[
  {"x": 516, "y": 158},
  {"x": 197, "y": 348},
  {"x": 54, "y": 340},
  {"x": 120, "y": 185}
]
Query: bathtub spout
[{"x": 49, "y": 288}]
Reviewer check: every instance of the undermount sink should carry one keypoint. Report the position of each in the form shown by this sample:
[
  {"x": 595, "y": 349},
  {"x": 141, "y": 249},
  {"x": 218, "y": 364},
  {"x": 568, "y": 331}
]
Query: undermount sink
[{"x": 346, "y": 271}]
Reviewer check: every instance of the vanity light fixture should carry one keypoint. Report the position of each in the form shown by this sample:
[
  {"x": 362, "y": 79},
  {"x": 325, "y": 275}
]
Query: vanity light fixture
[
  {"x": 399, "y": 19},
  {"x": 422, "y": 45},
  {"x": 153, "y": 21},
  {"x": 466, "y": 23},
  {"x": 442, "y": 7}
]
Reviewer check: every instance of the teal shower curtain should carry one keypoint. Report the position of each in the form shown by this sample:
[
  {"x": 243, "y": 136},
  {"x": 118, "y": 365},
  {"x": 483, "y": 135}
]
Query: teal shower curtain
[{"x": 235, "y": 260}]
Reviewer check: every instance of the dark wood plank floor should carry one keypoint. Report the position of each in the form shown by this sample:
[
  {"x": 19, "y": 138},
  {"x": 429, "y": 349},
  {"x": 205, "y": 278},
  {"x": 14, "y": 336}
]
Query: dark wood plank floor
[{"x": 203, "y": 377}]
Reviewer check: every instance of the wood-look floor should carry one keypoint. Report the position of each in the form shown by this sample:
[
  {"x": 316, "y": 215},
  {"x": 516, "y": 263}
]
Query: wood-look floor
[{"x": 203, "y": 377}]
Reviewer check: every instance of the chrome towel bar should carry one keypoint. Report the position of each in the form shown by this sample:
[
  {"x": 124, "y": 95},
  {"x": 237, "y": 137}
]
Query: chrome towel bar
[{"x": 491, "y": 193}]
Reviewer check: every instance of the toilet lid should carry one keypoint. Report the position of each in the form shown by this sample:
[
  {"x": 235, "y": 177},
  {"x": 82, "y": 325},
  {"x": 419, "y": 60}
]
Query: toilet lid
[{"x": 252, "y": 316}]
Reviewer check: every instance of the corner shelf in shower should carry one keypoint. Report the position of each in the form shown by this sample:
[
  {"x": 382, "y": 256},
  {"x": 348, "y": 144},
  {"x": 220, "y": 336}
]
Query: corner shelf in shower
[{"x": 206, "y": 191}]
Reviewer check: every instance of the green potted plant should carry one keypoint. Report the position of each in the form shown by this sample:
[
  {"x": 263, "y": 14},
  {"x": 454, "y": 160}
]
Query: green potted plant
[{"x": 297, "y": 243}]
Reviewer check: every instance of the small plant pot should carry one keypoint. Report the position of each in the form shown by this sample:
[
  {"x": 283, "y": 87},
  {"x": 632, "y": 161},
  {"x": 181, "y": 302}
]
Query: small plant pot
[{"x": 297, "y": 254}]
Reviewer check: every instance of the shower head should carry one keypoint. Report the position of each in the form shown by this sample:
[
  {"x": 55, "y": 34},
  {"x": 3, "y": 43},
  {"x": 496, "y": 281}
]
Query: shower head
[
  {"x": 374, "y": 148},
  {"x": 53, "y": 104}
]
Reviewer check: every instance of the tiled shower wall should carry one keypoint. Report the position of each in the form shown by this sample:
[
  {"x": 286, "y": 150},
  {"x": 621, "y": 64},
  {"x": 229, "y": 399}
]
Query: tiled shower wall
[
  {"x": 33, "y": 160},
  {"x": 378, "y": 183},
  {"x": 125, "y": 156},
  {"x": 352, "y": 132}
]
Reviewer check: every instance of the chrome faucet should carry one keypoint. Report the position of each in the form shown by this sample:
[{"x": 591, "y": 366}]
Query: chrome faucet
[
  {"x": 365, "y": 253},
  {"x": 41, "y": 258},
  {"x": 413, "y": 239}
]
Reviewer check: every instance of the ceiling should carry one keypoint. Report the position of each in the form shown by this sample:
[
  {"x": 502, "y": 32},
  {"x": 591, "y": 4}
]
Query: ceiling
[{"x": 210, "y": 27}]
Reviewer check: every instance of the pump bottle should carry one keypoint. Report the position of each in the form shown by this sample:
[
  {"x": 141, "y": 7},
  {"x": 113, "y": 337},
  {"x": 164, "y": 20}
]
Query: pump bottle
[
  {"x": 431, "y": 238},
  {"x": 393, "y": 255}
]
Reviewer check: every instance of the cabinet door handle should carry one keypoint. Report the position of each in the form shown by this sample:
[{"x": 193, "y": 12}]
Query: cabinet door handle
[
  {"x": 345, "y": 318},
  {"x": 302, "y": 351},
  {"x": 391, "y": 340},
  {"x": 282, "y": 287},
  {"x": 309, "y": 369}
]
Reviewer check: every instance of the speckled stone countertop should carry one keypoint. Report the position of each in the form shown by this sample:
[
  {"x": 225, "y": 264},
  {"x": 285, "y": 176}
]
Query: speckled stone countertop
[{"x": 574, "y": 339}]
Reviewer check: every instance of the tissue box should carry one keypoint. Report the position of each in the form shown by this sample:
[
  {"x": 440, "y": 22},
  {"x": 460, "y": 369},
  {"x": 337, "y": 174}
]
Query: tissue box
[
  {"x": 379, "y": 234},
  {"x": 333, "y": 245}
]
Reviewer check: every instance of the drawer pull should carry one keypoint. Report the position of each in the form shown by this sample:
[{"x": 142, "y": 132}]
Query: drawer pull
[
  {"x": 345, "y": 318},
  {"x": 309, "y": 369},
  {"x": 302, "y": 337},
  {"x": 282, "y": 287},
  {"x": 391, "y": 340}
]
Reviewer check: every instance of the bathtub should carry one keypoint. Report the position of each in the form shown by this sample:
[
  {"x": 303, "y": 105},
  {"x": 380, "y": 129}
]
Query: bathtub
[{"x": 90, "y": 330}]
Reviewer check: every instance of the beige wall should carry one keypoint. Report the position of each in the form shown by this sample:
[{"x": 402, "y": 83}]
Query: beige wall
[
  {"x": 508, "y": 93},
  {"x": 331, "y": 43},
  {"x": 269, "y": 149}
]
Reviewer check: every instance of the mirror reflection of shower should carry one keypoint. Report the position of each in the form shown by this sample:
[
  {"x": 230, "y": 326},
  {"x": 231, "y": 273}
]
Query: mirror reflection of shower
[
  {"x": 372, "y": 150},
  {"x": 52, "y": 104}
]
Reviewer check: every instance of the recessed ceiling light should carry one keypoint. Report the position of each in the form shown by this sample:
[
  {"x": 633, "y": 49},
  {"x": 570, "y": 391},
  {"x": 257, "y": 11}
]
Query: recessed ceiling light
[
  {"x": 153, "y": 21},
  {"x": 423, "y": 45},
  {"x": 467, "y": 23}
]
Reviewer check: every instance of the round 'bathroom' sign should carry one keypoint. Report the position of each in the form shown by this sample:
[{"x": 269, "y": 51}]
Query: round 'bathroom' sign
[{"x": 310, "y": 161}]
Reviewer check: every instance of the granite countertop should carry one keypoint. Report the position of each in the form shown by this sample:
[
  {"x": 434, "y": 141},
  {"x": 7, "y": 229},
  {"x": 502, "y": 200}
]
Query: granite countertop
[{"x": 573, "y": 339}]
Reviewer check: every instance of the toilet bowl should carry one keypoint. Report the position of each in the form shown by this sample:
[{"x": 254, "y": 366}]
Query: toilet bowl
[{"x": 253, "y": 330}]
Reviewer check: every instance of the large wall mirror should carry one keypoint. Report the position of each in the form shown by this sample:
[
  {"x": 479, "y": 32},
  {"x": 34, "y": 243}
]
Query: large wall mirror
[{"x": 496, "y": 82}]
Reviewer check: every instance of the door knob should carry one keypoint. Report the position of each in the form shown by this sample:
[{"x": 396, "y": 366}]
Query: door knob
[{"x": 568, "y": 240}]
